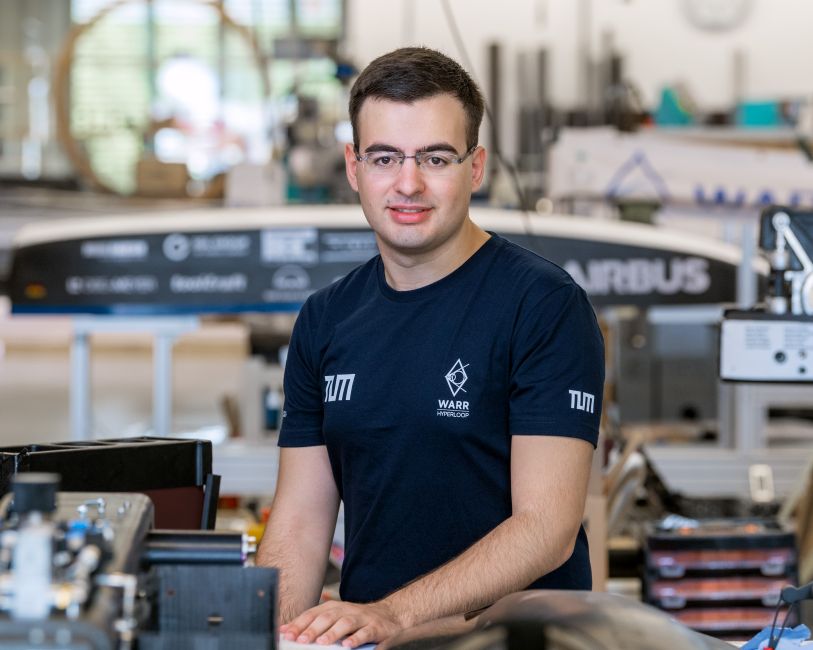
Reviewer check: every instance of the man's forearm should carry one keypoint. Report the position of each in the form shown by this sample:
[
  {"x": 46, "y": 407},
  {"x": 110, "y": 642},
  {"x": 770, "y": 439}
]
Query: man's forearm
[
  {"x": 509, "y": 558},
  {"x": 301, "y": 564},
  {"x": 299, "y": 531}
]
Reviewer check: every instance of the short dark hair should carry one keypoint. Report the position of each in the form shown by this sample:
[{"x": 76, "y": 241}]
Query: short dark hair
[{"x": 412, "y": 73}]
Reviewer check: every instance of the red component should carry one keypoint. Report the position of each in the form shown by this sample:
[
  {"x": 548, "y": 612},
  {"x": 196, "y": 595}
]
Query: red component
[{"x": 228, "y": 502}]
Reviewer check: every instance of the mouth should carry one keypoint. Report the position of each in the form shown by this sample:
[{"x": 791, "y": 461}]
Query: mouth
[{"x": 409, "y": 214}]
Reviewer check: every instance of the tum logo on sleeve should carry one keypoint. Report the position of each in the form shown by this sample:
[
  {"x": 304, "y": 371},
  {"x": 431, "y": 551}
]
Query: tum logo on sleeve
[
  {"x": 582, "y": 401},
  {"x": 339, "y": 387}
]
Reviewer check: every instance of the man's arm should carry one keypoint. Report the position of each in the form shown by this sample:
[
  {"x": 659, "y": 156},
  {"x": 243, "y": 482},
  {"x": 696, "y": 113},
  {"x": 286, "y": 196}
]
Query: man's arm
[
  {"x": 549, "y": 478},
  {"x": 299, "y": 531}
]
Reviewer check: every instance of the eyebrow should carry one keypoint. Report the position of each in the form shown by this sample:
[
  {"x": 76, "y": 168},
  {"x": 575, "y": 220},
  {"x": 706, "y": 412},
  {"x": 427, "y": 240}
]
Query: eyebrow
[{"x": 437, "y": 146}]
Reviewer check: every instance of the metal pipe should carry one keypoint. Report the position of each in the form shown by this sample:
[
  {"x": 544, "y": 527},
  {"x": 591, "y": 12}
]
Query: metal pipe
[
  {"x": 194, "y": 547},
  {"x": 159, "y": 553}
]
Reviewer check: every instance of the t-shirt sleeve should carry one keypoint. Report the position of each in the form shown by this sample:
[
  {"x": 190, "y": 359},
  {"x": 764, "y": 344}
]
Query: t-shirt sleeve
[
  {"x": 302, "y": 410},
  {"x": 557, "y": 368}
]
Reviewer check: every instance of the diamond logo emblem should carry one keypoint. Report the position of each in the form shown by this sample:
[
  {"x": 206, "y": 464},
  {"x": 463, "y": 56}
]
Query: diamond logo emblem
[{"x": 456, "y": 377}]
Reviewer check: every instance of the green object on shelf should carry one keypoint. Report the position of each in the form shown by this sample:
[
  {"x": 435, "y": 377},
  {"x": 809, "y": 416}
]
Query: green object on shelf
[
  {"x": 672, "y": 111},
  {"x": 759, "y": 114}
]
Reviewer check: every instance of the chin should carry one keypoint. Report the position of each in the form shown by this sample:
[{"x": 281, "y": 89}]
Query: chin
[{"x": 408, "y": 242}]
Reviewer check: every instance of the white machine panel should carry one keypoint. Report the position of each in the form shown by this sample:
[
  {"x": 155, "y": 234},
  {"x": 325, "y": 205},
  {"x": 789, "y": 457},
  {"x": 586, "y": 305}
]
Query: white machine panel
[{"x": 766, "y": 349}]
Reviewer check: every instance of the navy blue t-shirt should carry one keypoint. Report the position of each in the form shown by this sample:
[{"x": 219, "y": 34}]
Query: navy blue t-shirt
[{"x": 417, "y": 394}]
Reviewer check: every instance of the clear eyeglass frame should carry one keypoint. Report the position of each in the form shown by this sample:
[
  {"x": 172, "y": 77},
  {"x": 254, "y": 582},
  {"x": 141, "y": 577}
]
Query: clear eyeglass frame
[{"x": 434, "y": 163}]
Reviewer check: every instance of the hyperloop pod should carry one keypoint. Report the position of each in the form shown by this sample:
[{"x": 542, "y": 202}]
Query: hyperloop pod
[{"x": 272, "y": 259}]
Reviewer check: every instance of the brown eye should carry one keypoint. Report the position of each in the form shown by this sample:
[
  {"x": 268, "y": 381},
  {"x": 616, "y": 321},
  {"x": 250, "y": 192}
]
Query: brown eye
[
  {"x": 436, "y": 161},
  {"x": 384, "y": 161}
]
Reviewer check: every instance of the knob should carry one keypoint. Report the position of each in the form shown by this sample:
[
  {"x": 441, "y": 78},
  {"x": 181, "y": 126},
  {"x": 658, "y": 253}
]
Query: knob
[{"x": 34, "y": 492}]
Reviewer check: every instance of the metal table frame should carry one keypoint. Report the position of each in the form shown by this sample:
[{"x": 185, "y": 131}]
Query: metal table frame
[{"x": 164, "y": 330}]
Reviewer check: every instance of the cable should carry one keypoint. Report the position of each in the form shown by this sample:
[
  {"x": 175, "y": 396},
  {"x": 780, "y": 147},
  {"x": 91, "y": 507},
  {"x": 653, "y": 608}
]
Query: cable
[
  {"x": 782, "y": 629},
  {"x": 773, "y": 623},
  {"x": 510, "y": 169},
  {"x": 789, "y": 595}
]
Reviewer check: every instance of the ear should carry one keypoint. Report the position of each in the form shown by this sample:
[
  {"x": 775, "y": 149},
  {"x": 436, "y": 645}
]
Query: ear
[
  {"x": 350, "y": 166},
  {"x": 478, "y": 168}
]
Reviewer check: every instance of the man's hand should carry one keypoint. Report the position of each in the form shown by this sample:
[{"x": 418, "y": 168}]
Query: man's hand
[{"x": 332, "y": 621}]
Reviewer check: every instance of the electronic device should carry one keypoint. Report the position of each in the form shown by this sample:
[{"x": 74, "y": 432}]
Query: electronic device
[
  {"x": 774, "y": 341},
  {"x": 83, "y": 570}
]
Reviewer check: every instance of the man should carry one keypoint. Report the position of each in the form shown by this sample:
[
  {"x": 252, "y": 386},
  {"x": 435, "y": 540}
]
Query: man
[{"x": 433, "y": 389}]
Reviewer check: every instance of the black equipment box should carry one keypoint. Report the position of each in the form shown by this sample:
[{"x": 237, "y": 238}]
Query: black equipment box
[{"x": 173, "y": 472}]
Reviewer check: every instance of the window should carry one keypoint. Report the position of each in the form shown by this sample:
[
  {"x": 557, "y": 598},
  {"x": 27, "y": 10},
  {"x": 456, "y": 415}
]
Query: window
[{"x": 173, "y": 78}]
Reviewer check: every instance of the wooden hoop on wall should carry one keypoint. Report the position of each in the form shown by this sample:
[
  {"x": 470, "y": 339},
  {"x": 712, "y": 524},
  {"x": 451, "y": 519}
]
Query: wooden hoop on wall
[{"x": 61, "y": 86}]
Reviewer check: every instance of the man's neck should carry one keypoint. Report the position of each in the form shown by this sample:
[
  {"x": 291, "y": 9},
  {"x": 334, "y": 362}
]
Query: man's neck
[{"x": 407, "y": 271}]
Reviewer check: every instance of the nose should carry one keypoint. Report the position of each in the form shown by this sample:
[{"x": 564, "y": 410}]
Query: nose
[{"x": 409, "y": 179}]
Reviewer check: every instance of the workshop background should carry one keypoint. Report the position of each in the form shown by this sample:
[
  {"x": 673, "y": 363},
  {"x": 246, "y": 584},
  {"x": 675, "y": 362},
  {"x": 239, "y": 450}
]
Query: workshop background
[{"x": 659, "y": 150}]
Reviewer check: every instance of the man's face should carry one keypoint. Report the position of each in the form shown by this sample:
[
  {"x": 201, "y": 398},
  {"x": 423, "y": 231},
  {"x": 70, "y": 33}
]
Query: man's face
[{"x": 414, "y": 212}]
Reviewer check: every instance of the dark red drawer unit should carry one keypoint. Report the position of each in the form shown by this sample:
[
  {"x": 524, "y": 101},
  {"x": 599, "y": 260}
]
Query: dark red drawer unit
[{"x": 721, "y": 577}]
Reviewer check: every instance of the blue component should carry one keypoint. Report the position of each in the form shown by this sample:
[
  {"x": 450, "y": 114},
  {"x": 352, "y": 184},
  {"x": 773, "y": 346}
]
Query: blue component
[
  {"x": 792, "y": 638},
  {"x": 77, "y": 526}
]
